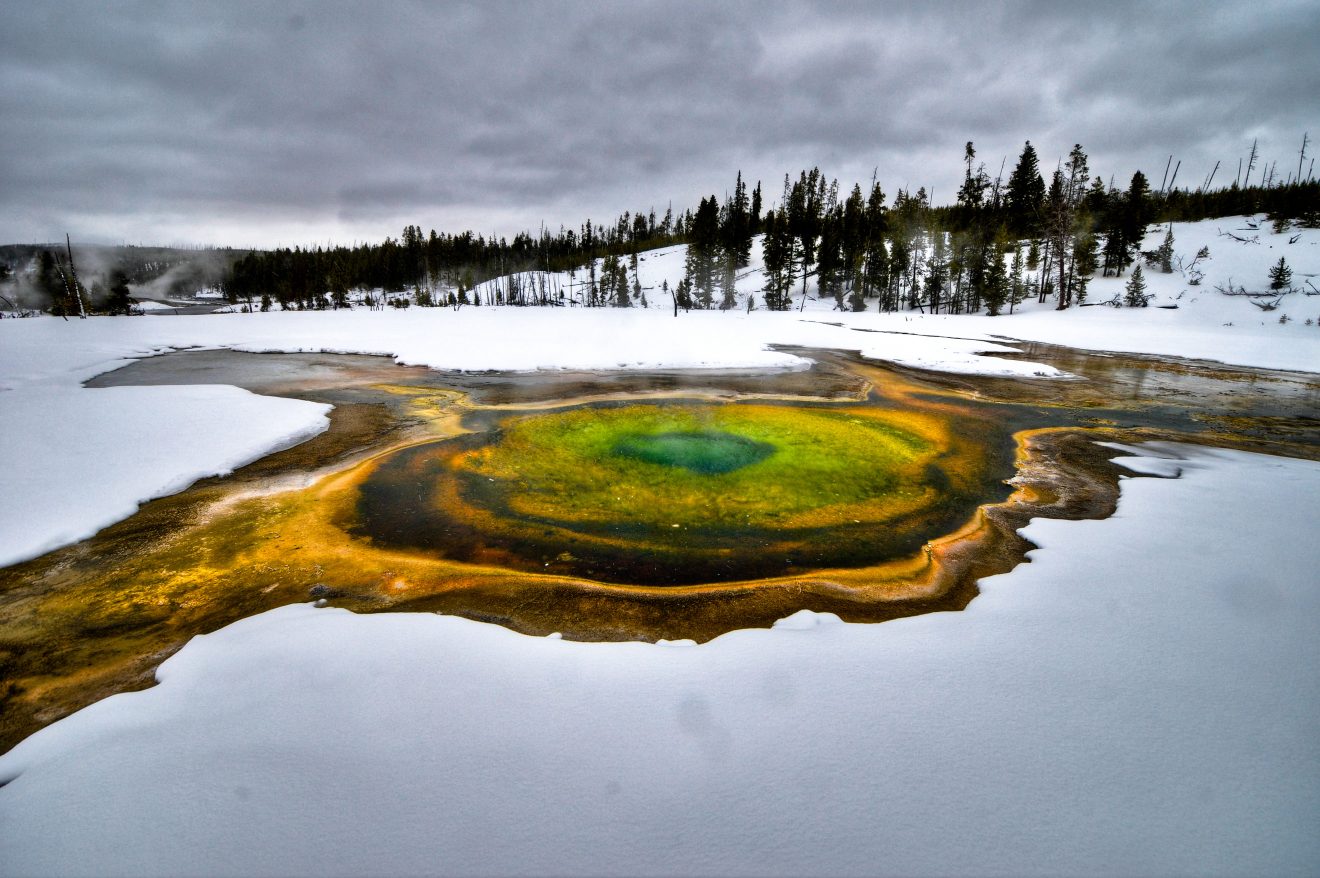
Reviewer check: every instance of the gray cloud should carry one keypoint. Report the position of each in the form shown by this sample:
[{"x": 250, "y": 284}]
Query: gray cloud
[{"x": 257, "y": 123}]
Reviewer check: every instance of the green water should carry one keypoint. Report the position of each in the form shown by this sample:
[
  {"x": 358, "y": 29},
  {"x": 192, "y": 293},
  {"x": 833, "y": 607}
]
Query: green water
[
  {"x": 686, "y": 493},
  {"x": 706, "y": 452}
]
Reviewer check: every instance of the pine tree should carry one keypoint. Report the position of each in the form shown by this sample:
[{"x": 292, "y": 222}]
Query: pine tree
[
  {"x": 1084, "y": 262},
  {"x": 1026, "y": 193},
  {"x": 703, "y": 253},
  {"x": 972, "y": 192},
  {"x": 829, "y": 262},
  {"x": 996, "y": 285},
  {"x": 937, "y": 274},
  {"x": 1135, "y": 290},
  {"x": 1065, "y": 215},
  {"x": 805, "y": 201},
  {"x": 777, "y": 253},
  {"x": 1165, "y": 252},
  {"x": 1136, "y": 214},
  {"x": 728, "y": 277},
  {"x": 735, "y": 231},
  {"x": 50, "y": 282},
  {"x": 683, "y": 294},
  {"x": 1281, "y": 276},
  {"x": 875, "y": 257},
  {"x": 1016, "y": 288},
  {"x": 118, "y": 301}
]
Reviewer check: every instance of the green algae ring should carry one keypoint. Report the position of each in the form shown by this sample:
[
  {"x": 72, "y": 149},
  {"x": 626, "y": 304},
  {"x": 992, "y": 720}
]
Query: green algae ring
[{"x": 672, "y": 494}]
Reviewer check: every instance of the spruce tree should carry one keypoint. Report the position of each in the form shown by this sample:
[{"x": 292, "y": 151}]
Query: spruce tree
[
  {"x": 735, "y": 231},
  {"x": 1135, "y": 290},
  {"x": 1016, "y": 288},
  {"x": 875, "y": 257},
  {"x": 1165, "y": 252},
  {"x": 1026, "y": 192},
  {"x": 728, "y": 277},
  {"x": 777, "y": 254},
  {"x": 118, "y": 301},
  {"x": 996, "y": 288},
  {"x": 1280, "y": 276},
  {"x": 1137, "y": 212},
  {"x": 703, "y": 255},
  {"x": 937, "y": 274},
  {"x": 829, "y": 263},
  {"x": 1084, "y": 263}
]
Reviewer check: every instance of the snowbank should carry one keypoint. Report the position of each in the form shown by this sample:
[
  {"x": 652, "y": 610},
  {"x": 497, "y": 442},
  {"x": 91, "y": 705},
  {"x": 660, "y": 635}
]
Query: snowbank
[
  {"x": 1141, "y": 699},
  {"x": 84, "y": 459}
]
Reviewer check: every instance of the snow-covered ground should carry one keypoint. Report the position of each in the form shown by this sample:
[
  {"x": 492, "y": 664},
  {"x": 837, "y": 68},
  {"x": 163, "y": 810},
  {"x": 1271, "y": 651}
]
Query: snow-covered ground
[
  {"x": 153, "y": 305},
  {"x": 1205, "y": 325},
  {"x": 1141, "y": 699}
]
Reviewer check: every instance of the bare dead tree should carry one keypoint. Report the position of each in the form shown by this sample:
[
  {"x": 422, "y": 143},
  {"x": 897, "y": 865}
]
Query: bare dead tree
[
  {"x": 994, "y": 189},
  {"x": 73, "y": 272},
  {"x": 1206, "y": 187},
  {"x": 1251, "y": 163},
  {"x": 1301, "y": 157}
]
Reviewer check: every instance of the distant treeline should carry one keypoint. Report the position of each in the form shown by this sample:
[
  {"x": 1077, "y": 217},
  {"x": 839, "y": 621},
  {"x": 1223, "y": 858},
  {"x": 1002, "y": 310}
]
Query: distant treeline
[
  {"x": 456, "y": 263},
  {"x": 1001, "y": 241}
]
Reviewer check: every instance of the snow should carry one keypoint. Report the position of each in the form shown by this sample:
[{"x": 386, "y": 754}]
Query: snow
[
  {"x": 1140, "y": 699},
  {"x": 86, "y": 459},
  {"x": 1206, "y": 324},
  {"x": 77, "y": 460}
]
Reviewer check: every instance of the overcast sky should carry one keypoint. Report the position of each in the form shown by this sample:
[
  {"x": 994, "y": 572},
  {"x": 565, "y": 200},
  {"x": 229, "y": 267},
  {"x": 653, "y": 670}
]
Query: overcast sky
[{"x": 295, "y": 123}]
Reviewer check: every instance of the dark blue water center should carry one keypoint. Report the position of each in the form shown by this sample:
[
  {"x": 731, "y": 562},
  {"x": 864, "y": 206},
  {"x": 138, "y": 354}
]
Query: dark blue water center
[{"x": 708, "y": 452}]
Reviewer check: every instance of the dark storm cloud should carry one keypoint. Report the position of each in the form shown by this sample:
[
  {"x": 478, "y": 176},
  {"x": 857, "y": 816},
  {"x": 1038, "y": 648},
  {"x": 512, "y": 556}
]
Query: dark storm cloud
[{"x": 257, "y": 123}]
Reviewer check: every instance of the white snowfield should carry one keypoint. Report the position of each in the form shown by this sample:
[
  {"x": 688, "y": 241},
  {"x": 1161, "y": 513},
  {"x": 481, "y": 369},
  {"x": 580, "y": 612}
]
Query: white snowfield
[{"x": 1140, "y": 699}]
